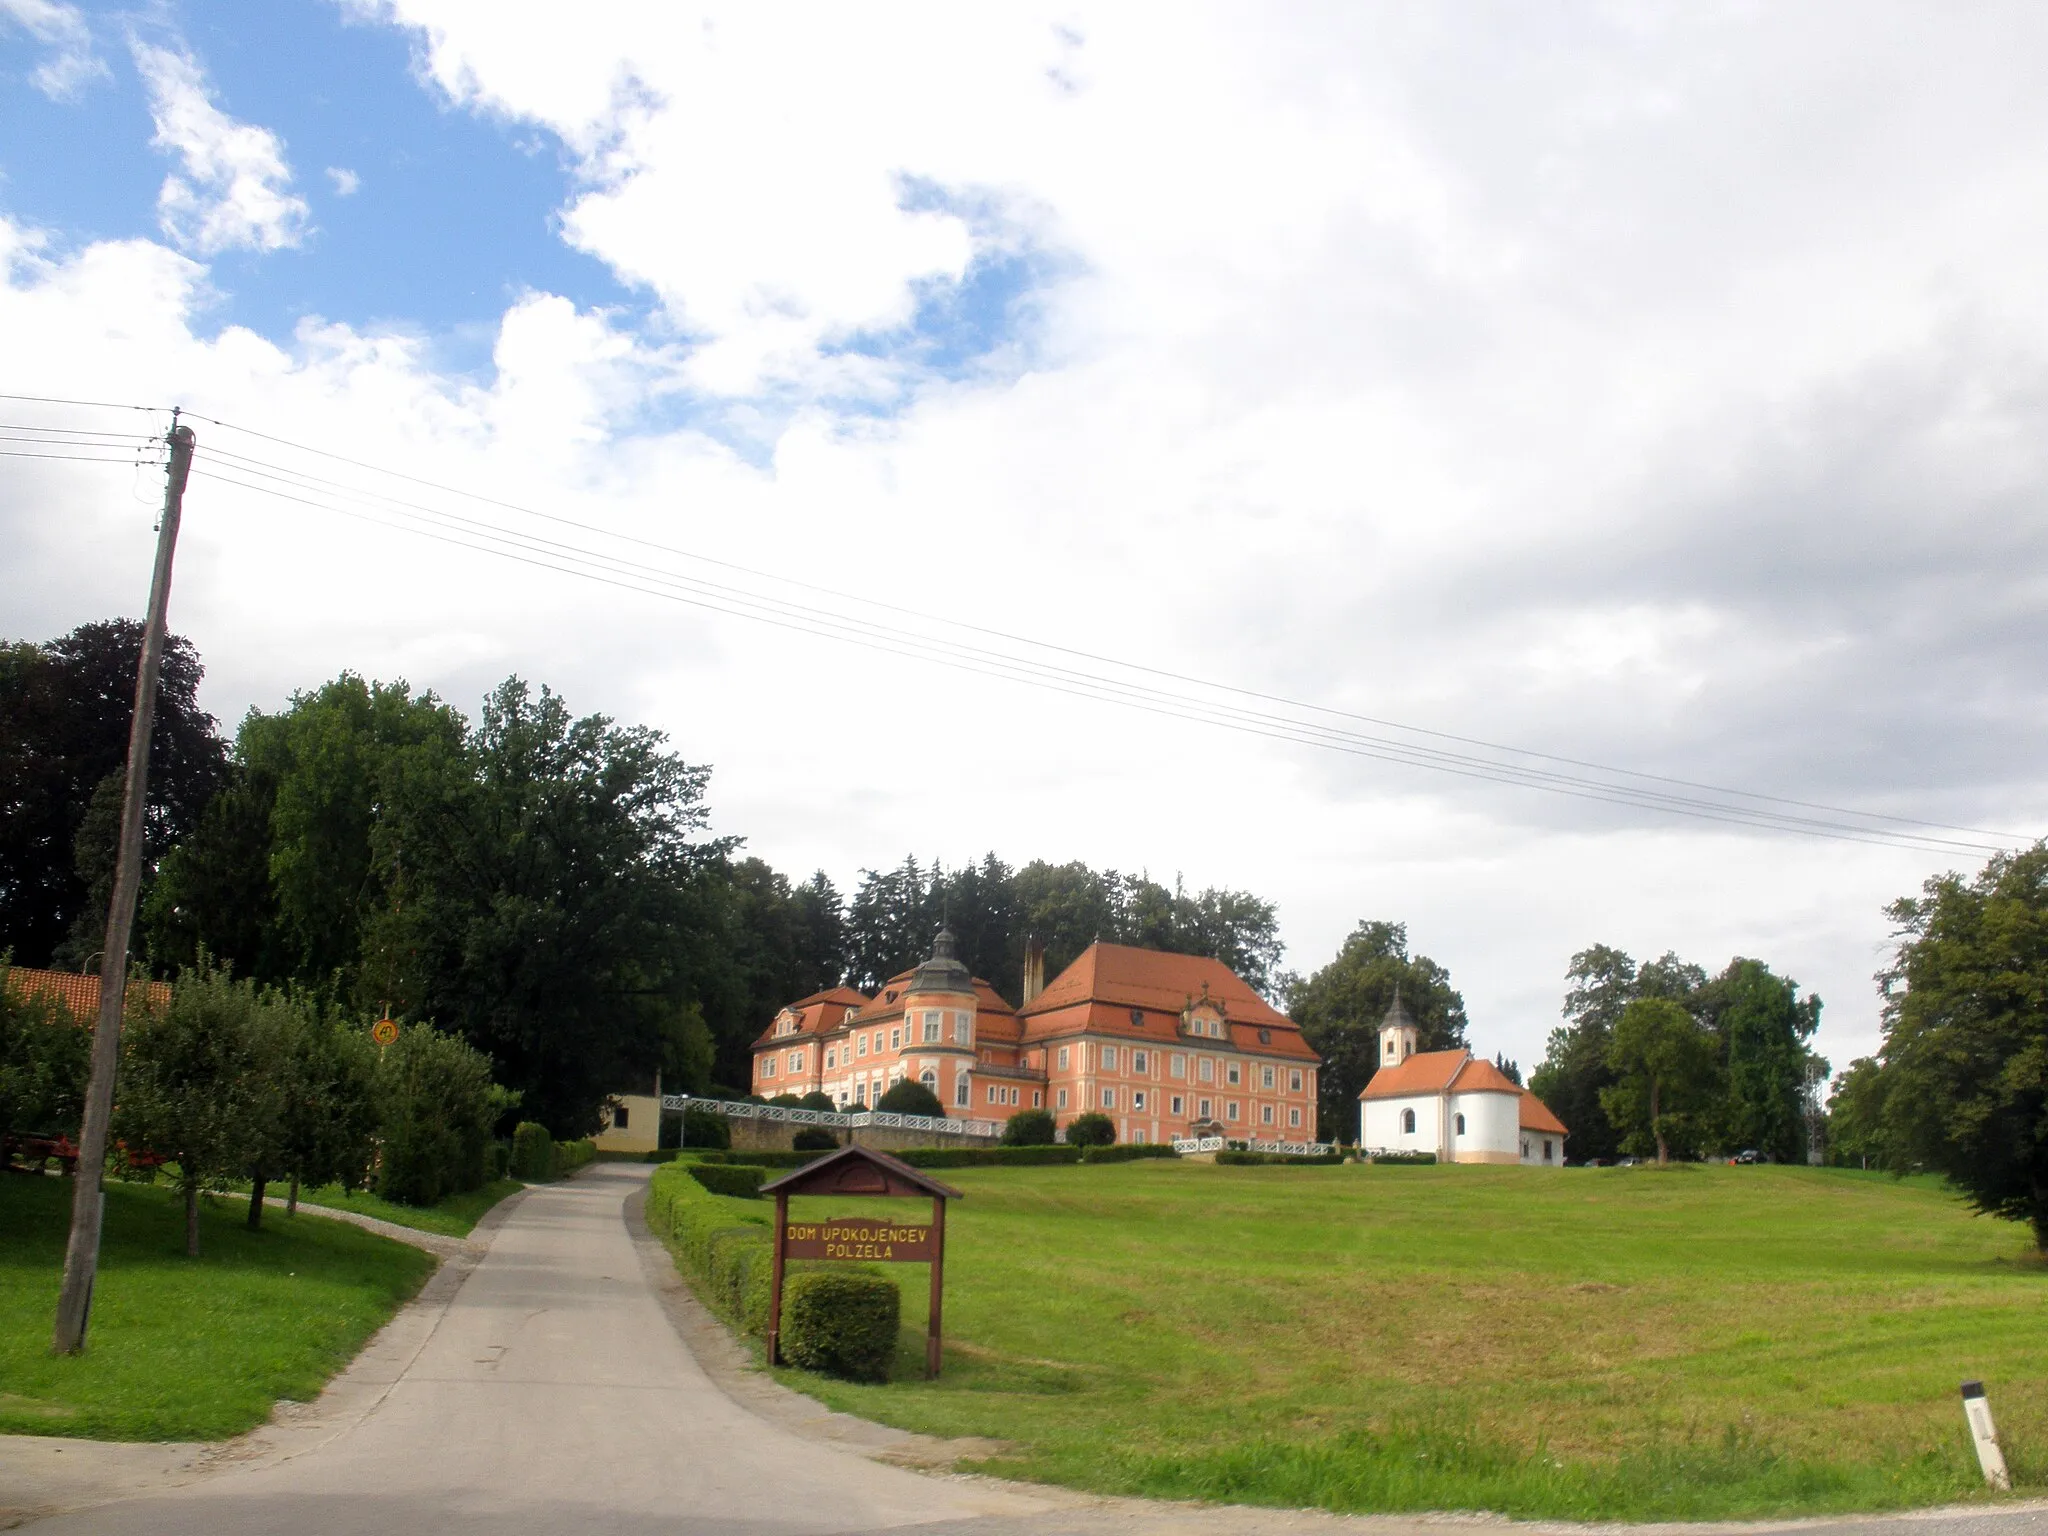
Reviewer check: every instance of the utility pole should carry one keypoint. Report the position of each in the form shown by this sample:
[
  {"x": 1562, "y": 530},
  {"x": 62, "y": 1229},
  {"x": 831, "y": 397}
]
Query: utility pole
[{"x": 82, "y": 1252}]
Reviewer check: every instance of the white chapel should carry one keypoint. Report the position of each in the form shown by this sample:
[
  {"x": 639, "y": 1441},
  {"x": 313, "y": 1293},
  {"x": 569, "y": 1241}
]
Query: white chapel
[{"x": 1457, "y": 1105}]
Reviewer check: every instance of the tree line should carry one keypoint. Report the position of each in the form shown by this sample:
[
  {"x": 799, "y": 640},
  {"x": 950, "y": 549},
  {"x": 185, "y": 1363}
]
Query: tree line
[{"x": 543, "y": 886}]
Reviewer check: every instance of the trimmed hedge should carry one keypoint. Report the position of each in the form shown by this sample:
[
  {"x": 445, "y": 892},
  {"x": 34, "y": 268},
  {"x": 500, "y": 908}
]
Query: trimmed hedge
[
  {"x": 1279, "y": 1159},
  {"x": 571, "y": 1155},
  {"x": 759, "y": 1159},
  {"x": 1403, "y": 1159},
  {"x": 728, "y": 1251},
  {"x": 841, "y": 1321},
  {"x": 533, "y": 1153},
  {"x": 1129, "y": 1152},
  {"x": 987, "y": 1157},
  {"x": 814, "y": 1138},
  {"x": 742, "y": 1183}
]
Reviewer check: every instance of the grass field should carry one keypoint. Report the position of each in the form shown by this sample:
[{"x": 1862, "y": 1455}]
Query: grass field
[
  {"x": 456, "y": 1216},
  {"x": 1698, "y": 1342},
  {"x": 184, "y": 1349}
]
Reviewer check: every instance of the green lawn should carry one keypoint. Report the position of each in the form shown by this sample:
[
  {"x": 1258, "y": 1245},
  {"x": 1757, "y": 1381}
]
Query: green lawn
[
  {"x": 184, "y": 1349},
  {"x": 454, "y": 1216},
  {"x": 1699, "y": 1342}
]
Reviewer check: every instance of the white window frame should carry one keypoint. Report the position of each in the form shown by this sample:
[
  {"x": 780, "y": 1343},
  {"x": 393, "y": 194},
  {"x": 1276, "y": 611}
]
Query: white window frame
[
  {"x": 1206, "y": 1109},
  {"x": 1108, "y": 1098},
  {"x": 1294, "y": 1081},
  {"x": 963, "y": 1092},
  {"x": 861, "y": 1045},
  {"x": 1177, "y": 1065},
  {"x": 1294, "y": 1117},
  {"x": 1141, "y": 1062},
  {"x": 1063, "y": 1058},
  {"x": 1266, "y": 1077},
  {"x": 1062, "y": 1104},
  {"x": 1206, "y": 1069},
  {"x": 1265, "y": 1114},
  {"x": 1230, "y": 1109},
  {"x": 1233, "y": 1075},
  {"x": 1177, "y": 1105},
  {"x": 1109, "y": 1058}
]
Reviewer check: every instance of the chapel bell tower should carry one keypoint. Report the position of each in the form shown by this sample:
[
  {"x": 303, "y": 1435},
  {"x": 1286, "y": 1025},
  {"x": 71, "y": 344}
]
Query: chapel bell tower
[{"x": 1398, "y": 1034}]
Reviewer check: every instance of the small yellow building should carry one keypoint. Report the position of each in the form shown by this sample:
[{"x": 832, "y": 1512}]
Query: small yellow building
[{"x": 632, "y": 1121}]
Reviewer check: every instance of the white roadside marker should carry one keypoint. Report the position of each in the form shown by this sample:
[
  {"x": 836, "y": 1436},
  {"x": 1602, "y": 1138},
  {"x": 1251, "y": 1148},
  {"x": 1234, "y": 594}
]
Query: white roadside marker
[{"x": 1977, "y": 1409}]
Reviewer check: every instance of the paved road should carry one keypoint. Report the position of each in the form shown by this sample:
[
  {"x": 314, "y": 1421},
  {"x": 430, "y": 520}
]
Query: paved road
[{"x": 554, "y": 1394}]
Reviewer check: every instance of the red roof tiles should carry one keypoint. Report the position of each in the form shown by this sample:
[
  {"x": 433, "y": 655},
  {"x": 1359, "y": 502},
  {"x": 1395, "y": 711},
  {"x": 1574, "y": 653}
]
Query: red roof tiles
[{"x": 80, "y": 995}]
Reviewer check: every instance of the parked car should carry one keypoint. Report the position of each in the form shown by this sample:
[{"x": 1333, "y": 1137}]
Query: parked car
[
  {"x": 1626, "y": 1162},
  {"x": 1749, "y": 1155}
]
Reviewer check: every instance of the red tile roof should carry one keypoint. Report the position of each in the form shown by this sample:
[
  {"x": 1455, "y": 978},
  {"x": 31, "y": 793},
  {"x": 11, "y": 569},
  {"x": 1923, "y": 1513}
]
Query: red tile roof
[
  {"x": 818, "y": 1014},
  {"x": 1155, "y": 981},
  {"x": 1479, "y": 1075},
  {"x": 987, "y": 1001},
  {"x": 80, "y": 995},
  {"x": 1424, "y": 1072},
  {"x": 1536, "y": 1116}
]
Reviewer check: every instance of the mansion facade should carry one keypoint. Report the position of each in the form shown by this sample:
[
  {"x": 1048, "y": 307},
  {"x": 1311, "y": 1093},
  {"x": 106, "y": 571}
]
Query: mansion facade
[{"x": 1165, "y": 1045}]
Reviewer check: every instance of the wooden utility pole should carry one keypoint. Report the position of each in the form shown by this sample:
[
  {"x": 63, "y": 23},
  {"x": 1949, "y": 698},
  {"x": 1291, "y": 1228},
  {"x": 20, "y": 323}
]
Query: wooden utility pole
[{"x": 82, "y": 1253}]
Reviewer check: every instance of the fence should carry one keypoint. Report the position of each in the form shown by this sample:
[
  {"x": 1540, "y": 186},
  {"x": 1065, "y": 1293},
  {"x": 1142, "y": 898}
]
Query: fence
[
  {"x": 1185, "y": 1145},
  {"x": 740, "y": 1109}
]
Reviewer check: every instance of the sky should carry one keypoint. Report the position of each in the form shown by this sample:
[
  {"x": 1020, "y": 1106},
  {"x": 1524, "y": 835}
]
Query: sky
[{"x": 1655, "y": 388}]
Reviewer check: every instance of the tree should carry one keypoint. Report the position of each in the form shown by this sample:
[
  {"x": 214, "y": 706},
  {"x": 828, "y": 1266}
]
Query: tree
[
  {"x": 1662, "y": 1063},
  {"x": 1030, "y": 1128},
  {"x": 45, "y": 1055},
  {"x": 1966, "y": 1035},
  {"x": 1856, "y": 1116},
  {"x": 67, "y": 706},
  {"x": 1763, "y": 1026},
  {"x": 1091, "y": 1128},
  {"x": 1341, "y": 1006},
  {"x": 437, "y": 1106},
  {"x": 192, "y": 1084},
  {"x": 329, "y": 1115},
  {"x": 1574, "y": 1071},
  {"x": 910, "y": 1097}
]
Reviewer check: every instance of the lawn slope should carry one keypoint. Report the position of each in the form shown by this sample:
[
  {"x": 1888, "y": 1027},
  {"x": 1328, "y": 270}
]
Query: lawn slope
[
  {"x": 184, "y": 1349},
  {"x": 1699, "y": 1342}
]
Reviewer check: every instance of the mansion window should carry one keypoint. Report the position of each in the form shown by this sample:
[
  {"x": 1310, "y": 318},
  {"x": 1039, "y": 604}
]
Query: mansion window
[
  {"x": 796, "y": 1061},
  {"x": 1265, "y": 1077},
  {"x": 1061, "y": 1102},
  {"x": 1294, "y": 1118},
  {"x": 860, "y": 1091},
  {"x": 1063, "y": 1058},
  {"x": 1232, "y": 1074},
  {"x": 1294, "y": 1082},
  {"x": 1230, "y": 1110},
  {"x": 1037, "y": 1099},
  {"x": 831, "y": 1058},
  {"x": 1109, "y": 1098},
  {"x": 991, "y": 1093},
  {"x": 963, "y": 1028},
  {"x": 1109, "y": 1058},
  {"x": 931, "y": 1029},
  {"x": 1177, "y": 1064},
  {"x": 960, "y": 1091},
  {"x": 1138, "y": 1136},
  {"x": 862, "y": 1045},
  {"x": 1265, "y": 1114},
  {"x": 1138, "y": 1101},
  {"x": 1207, "y": 1070},
  {"x": 895, "y": 1037},
  {"x": 1206, "y": 1111},
  {"x": 768, "y": 1066},
  {"x": 929, "y": 1078},
  {"x": 1407, "y": 1122},
  {"x": 1141, "y": 1063},
  {"x": 1177, "y": 1101}
]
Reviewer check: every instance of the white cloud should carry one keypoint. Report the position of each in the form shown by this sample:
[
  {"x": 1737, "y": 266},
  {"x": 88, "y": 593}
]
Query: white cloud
[
  {"x": 72, "y": 62},
  {"x": 1658, "y": 391},
  {"x": 235, "y": 190},
  {"x": 346, "y": 182}
]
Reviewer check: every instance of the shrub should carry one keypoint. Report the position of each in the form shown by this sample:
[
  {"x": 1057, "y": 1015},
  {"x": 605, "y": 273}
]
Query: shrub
[
  {"x": 437, "y": 1104},
  {"x": 910, "y": 1097},
  {"x": 760, "y": 1159},
  {"x": 1029, "y": 1128},
  {"x": 1403, "y": 1159},
  {"x": 816, "y": 1100},
  {"x": 45, "y": 1055},
  {"x": 814, "y": 1138},
  {"x": 987, "y": 1157},
  {"x": 501, "y": 1159},
  {"x": 1278, "y": 1159},
  {"x": 1091, "y": 1130},
  {"x": 787, "y": 1101},
  {"x": 701, "y": 1128},
  {"x": 571, "y": 1155},
  {"x": 533, "y": 1153},
  {"x": 741, "y": 1182},
  {"x": 1130, "y": 1152},
  {"x": 841, "y": 1321}
]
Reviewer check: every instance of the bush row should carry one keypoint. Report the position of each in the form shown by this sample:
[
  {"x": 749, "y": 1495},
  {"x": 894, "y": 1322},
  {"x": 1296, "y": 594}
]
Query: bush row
[
  {"x": 1278, "y": 1159},
  {"x": 834, "y": 1319},
  {"x": 740, "y": 1182},
  {"x": 538, "y": 1157},
  {"x": 1408, "y": 1159},
  {"x": 760, "y": 1159},
  {"x": 1129, "y": 1152}
]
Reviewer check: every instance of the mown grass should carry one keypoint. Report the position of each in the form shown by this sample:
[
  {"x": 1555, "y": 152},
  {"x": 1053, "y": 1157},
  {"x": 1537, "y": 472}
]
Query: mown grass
[
  {"x": 184, "y": 1349},
  {"x": 452, "y": 1216},
  {"x": 1691, "y": 1343}
]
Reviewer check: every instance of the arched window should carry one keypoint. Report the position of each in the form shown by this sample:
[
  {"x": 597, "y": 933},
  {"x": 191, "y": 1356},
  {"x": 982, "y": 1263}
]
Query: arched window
[
  {"x": 929, "y": 1078},
  {"x": 1408, "y": 1122},
  {"x": 1461, "y": 1125}
]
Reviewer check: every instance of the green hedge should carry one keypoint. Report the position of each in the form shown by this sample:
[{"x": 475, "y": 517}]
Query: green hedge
[
  {"x": 841, "y": 1321},
  {"x": 742, "y": 1183},
  {"x": 533, "y": 1153},
  {"x": 728, "y": 1250},
  {"x": 1403, "y": 1159},
  {"x": 1129, "y": 1152},
  {"x": 1279, "y": 1159},
  {"x": 760, "y": 1159},
  {"x": 987, "y": 1157},
  {"x": 571, "y": 1155}
]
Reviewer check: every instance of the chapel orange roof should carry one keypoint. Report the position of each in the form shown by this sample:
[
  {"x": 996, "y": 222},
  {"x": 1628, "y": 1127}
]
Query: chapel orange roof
[
  {"x": 80, "y": 995},
  {"x": 1158, "y": 982},
  {"x": 1479, "y": 1075},
  {"x": 1424, "y": 1072},
  {"x": 1536, "y": 1116}
]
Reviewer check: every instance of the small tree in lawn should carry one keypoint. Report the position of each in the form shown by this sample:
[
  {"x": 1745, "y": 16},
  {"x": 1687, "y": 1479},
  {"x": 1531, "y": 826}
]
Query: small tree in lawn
[
  {"x": 1030, "y": 1128},
  {"x": 1664, "y": 1066},
  {"x": 328, "y": 1125},
  {"x": 910, "y": 1097},
  {"x": 45, "y": 1055},
  {"x": 1093, "y": 1129},
  {"x": 192, "y": 1085}
]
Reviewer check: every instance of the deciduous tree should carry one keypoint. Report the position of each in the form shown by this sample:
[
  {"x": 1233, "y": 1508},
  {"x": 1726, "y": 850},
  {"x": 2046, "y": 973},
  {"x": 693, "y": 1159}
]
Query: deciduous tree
[{"x": 1662, "y": 1061}]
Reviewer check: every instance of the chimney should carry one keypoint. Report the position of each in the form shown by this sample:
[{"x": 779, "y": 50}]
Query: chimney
[{"x": 1034, "y": 969}]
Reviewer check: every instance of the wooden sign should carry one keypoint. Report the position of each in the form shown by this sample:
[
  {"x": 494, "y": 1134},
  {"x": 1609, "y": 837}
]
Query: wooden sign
[
  {"x": 857, "y": 1171},
  {"x": 852, "y": 1238}
]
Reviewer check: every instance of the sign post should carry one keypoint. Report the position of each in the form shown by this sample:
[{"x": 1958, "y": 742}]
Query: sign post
[{"x": 855, "y": 1171}]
